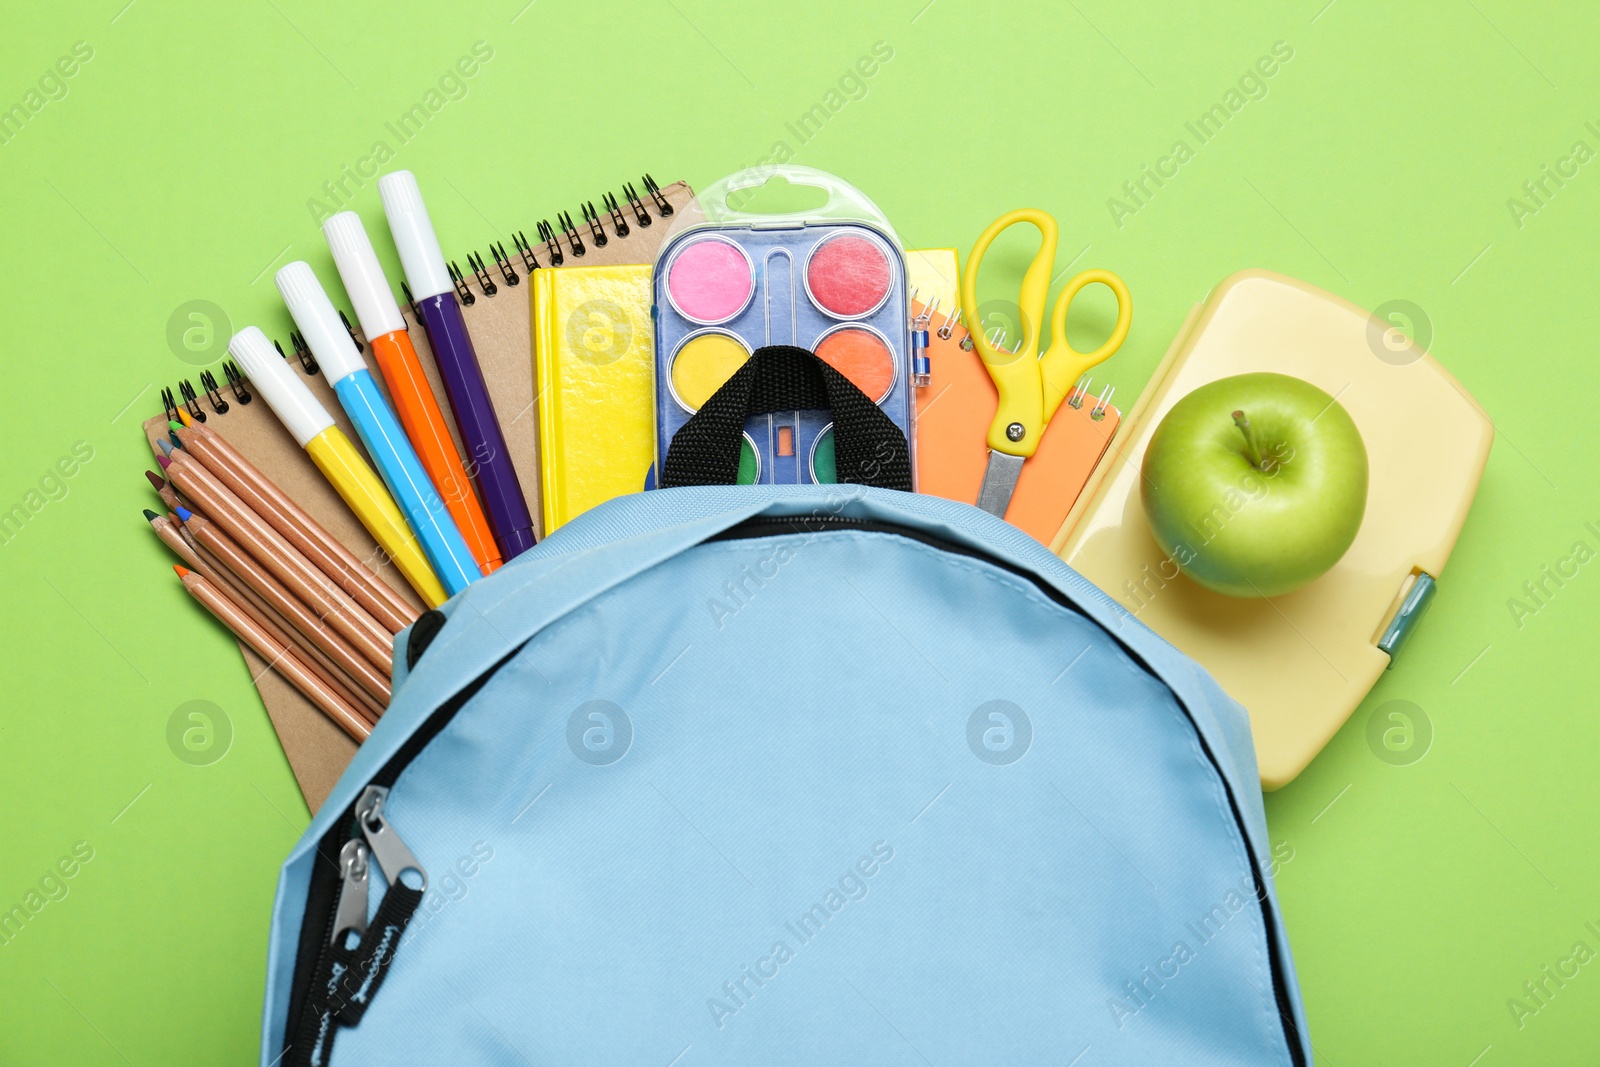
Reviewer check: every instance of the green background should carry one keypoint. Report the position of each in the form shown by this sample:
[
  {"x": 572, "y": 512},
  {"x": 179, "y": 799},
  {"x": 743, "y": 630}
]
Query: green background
[{"x": 1378, "y": 165}]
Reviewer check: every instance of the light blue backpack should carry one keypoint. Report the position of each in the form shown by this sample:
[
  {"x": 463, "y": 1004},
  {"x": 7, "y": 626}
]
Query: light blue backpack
[{"x": 774, "y": 775}]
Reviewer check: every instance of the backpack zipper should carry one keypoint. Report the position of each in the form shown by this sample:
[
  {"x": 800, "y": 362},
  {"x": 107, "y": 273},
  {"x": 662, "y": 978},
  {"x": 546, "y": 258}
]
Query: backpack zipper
[
  {"x": 350, "y": 916},
  {"x": 345, "y": 930},
  {"x": 356, "y": 956},
  {"x": 325, "y": 973},
  {"x": 377, "y": 948},
  {"x": 407, "y": 879}
]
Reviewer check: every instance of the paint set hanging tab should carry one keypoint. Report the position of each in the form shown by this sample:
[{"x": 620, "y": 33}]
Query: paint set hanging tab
[{"x": 830, "y": 279}]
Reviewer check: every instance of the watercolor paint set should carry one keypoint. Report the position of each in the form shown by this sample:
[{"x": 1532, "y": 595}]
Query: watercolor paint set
[{"x": 831, "y": 280}]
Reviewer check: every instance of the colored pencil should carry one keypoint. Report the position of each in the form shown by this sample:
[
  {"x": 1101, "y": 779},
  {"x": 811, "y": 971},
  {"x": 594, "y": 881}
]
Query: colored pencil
[
  {"x": 315, "y": 589},
  {"x": 202, "y": 561},
  {"x": 229, "y": 583},
  {"x": 260, "y": 580},
  {"x": 167, "y": 530},
  {"x": 162, "y": 488},
  {"x": 278, "y": 655},
  {"x": 177, "y": 535},
  {"x": 231, "y": 468}
]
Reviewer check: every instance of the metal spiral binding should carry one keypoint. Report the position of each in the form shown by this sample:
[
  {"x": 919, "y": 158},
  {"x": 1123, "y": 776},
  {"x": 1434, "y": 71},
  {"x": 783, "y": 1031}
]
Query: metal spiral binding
[
  {"x": 564, "y": 232},
  {"x": 302, "y": 352},
  {"x": 592, "y": 217},
  {"x": 187, "y": 398},
  {"x": 1098, "y": 412},
  {"x": 618, "y": 221},
  {"x": 527, "y": 253},
  {"x": 952, "y": 319},
  {"x": 416, "y": 312},
  {"x": 236, "y": 381},
  {"x": 997, "y": 338},
  {"x": 467, "y": 299},
  {"x": 639, "y": 211},
  {"x": 503, "y": 261},
  {"x": 191, "y": 400},
  {"x": 208, "y": 382},
  {"x": 481, "y": 272},
  {"x": 1081, "y": 390},
  {"x": 552, "y": 247},
  {"x": 351, "y": 330},
  {"x": 574, "y": 238},
  {"x": 654, "y": 190}
]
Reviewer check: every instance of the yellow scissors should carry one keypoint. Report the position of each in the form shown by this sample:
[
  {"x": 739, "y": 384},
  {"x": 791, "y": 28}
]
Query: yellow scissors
[{"x": 1031, "y": 385}]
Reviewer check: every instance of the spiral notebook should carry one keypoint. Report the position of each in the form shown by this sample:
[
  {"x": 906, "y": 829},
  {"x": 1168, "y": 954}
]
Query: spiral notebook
[
  {"x": 493, "y": 293},
  {"x": 954, "y": 412}
]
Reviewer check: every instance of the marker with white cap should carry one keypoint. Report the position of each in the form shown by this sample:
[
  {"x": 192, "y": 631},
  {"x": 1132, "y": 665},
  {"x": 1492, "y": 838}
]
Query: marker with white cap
[
  {"x": 380, "y": 432},
  {"x": 409, "y": 391},
  {"x": 309, "y": 423},
  {"x": 435, "y": 296}
]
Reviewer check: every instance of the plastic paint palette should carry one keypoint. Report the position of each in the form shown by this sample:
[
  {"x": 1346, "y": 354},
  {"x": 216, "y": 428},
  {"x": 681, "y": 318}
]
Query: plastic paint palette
[{"x": 837, "y": 289}]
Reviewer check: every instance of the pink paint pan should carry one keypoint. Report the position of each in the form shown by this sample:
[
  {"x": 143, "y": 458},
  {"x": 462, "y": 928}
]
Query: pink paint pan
[{"x": 710, "y": 280}]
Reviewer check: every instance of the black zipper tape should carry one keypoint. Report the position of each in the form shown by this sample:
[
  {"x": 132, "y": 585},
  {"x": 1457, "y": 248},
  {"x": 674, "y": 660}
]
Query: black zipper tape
[
  {"x": 378, "y": 946},
  {"x": 320, "y": 1024}
]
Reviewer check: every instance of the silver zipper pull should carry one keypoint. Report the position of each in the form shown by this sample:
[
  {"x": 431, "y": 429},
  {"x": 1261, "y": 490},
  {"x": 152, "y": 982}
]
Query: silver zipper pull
[
  {"x": 351, "y": 914},
  {"x": 394, "y": 858}
]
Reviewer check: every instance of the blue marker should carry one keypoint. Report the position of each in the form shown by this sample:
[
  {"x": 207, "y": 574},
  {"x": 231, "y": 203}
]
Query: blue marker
[{"x": 379, "y": 430}]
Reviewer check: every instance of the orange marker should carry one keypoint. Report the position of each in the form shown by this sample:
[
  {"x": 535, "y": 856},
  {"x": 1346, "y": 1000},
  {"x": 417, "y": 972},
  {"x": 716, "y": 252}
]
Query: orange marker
[{"x": 413, "y": 401}]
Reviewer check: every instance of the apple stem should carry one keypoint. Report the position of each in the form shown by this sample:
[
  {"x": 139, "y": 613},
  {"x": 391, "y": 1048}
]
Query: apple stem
[{"x": 1251, "y": 448}]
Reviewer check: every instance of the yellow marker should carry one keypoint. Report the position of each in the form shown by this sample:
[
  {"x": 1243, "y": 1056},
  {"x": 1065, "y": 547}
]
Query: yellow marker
[{"x": 312, "y": 427}]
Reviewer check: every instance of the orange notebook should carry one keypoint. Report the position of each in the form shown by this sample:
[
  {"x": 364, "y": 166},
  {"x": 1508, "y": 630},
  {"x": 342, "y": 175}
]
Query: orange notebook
[{"x": 953, "y": 415}]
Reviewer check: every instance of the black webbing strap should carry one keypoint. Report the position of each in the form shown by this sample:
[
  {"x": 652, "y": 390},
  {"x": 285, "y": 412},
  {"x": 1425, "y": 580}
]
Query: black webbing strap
[{"x": 869, "y": 449}]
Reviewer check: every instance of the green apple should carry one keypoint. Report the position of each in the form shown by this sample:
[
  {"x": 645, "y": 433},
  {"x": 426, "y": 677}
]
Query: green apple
[{"x": 1255, "y": 485}]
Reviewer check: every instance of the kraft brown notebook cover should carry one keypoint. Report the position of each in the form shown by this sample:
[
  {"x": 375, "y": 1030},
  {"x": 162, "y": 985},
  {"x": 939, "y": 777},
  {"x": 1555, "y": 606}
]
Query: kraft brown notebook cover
[{"x": 496, "y": 308}]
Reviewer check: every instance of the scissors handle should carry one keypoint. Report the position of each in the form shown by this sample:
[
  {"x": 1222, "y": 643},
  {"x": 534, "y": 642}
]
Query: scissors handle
[
  {"x": 1062, "y": 365},
  {"x": 1019, "y": 420},
  {"x": 1031, "y": 387}
]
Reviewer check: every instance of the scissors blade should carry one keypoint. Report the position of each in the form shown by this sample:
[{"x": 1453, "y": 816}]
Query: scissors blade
[{"x": 999, "y": 482}]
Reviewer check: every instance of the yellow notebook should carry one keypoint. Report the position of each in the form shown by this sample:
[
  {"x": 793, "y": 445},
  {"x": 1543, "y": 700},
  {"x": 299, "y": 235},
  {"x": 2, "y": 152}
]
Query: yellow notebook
[{"x": 594, "y": 359}]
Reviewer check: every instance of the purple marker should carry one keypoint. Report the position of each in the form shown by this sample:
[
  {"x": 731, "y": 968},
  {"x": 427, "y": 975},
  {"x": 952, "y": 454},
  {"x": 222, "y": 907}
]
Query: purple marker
[{"x": 435, "y": 294}]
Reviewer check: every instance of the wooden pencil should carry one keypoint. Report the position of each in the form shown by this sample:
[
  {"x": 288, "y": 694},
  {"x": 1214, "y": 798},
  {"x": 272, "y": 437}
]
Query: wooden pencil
[
  {"x": 315, "y": 589},
  {"x": 163, "y": 489},
  {"x": 229, "y": 465},
  {"x": 278, "y": 655},
  {"x": 167, "y": 530},
  {"x": 369, "y": 706},
  {"x": 236, "y": 560},
  {"x": 208, "y": 566},
  {"x": 245, "y": 512},
  {"x": 200, "y": 558},
  {"x": 217, "y": 571}
]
